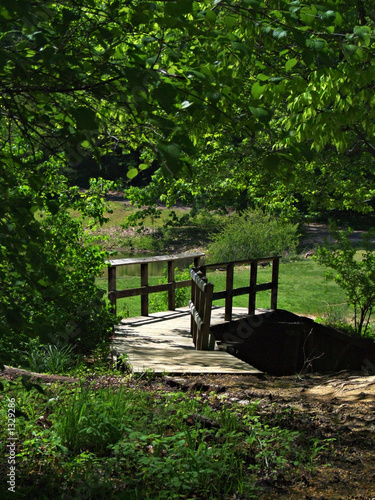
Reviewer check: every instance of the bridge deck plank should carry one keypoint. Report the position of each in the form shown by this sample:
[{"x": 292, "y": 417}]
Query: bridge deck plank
[{"x": 161, "y": 342}]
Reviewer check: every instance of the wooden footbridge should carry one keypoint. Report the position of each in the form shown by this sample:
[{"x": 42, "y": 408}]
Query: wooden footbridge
[{"x": 180, "y": 340}]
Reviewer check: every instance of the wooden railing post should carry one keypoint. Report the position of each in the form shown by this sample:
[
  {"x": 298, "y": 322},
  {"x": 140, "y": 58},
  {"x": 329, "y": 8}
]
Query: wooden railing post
[
  {"x": 253, "y": 282},
  {"x": 144, "y": 282},
  {"x": 229, "y": 290},
  {"x": 112, "y": 287},
  {"x": 193, "y": 325},
  {"x": 200, "y": 309},
  {"x": 275, "y": 282},
  {"x": 172, "y": 292},
  {"x": 198, "y": 301},
  {"x": 204, "y": 338},
  {"x": 197, "y": 261}
]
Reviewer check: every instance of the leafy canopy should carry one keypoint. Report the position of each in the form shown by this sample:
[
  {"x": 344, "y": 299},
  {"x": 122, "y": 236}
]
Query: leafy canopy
[
  {"x": 166, "y": 76},
  {"x": 176, "y": 80}
]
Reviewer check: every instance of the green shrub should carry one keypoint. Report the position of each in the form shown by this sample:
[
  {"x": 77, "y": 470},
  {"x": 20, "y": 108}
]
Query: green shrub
[
  {"x": 251, "y": 235},
  {"x": 91, "y": 421},
  {"x": 355, "y": 276},
  {"x": 159, "y": 301},
  {"x": 48, "y": 262}
]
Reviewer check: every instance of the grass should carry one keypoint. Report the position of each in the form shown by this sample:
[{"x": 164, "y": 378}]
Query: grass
[
  {"x": 166, "y": 231},
  {"x": 137, "y": 443},
  {"x": 48, "y": 358}
]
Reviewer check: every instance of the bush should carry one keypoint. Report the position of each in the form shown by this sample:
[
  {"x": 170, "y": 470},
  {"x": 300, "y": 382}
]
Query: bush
[
  {"x": 252, "y": 235},
  {"x": 92, "y": 421},
  {"x": 159, "y": 301},
  {"x": 48, "y": 264},
  {"x": 356, "y": 277}
]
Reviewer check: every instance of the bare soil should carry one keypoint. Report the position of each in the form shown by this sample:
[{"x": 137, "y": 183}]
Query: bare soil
[{"x": 316, "y": 234}]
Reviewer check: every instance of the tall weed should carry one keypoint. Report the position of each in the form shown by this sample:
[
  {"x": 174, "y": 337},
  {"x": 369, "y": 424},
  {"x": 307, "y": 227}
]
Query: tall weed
[
  {"x": 91, "y": 420},
  {"x": 49, "y": 358}
]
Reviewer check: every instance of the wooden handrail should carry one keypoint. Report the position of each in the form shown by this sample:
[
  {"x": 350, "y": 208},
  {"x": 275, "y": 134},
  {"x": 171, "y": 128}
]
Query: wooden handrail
[
  {"x": 253, "y": 287},
  {"x": 145, "y": 289}
]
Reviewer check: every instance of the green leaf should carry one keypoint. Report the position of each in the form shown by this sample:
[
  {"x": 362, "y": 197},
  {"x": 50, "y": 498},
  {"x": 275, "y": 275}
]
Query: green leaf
[
  {"x": 186, "y": 104},
  {"x": 308, "y": 15},
  {"x": 279, "y": 33},
  {"x": 230, "y": 21},
  {"x": 242, "y": 48},
  {"x": 262, "y": 77},
  {"x": 350, "y": 48},
  {"x": 198, "y": 74},
  {"x": 290, "y": 64},
  {"x": 317, "y": 44},
  {"x": 133, "y": 172},
  {"x": 257, "y": 90},
  {"x": 210, "y": 17},
  {"x": 361, "y": 31},
  {"x": 170, "y": 150},
  {"x": 263, "y": 115},
  {"x": 338, "y": 19}
]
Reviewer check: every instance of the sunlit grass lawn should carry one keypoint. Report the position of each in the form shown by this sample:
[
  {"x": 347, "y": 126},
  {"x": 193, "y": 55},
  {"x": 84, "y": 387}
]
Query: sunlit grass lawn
[
  {"x": 119, "y": 211},
  {"x": 303, "y": 289}
]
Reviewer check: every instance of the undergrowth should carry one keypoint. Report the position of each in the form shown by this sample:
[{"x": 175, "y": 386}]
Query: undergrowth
[{"x": 132, "y": 443}]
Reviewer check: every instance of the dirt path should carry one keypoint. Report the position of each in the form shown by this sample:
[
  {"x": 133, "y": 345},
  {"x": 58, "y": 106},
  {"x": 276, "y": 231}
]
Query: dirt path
[{"x": 318, "y": 233}]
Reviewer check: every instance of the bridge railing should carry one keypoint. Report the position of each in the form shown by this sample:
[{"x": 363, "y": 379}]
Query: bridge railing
[
  {"x": 202, "y": 294},
  {"x": 145, "y": 289},
  {"x": 253, "y": 287}
]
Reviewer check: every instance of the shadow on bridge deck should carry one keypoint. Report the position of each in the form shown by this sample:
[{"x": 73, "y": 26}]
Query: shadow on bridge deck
[{"x": 162, "y": 342}]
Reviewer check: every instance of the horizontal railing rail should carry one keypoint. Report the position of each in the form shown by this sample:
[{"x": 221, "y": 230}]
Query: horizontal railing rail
[
  {"x": 145, "y": 289},
  {"x": 253, "y": 287}
]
